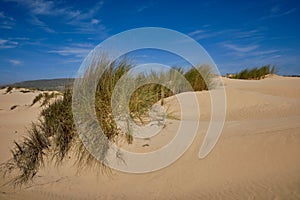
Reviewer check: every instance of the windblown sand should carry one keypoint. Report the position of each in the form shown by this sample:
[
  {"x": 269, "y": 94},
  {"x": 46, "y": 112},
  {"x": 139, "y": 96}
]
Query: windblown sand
[{"x": 256, "y": 157}]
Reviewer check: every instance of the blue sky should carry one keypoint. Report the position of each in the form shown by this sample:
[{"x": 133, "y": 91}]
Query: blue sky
[{"x": 49, "y": 39}]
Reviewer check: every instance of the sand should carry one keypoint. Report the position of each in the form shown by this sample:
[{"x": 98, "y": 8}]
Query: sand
[{"x": 256, "y": 157}]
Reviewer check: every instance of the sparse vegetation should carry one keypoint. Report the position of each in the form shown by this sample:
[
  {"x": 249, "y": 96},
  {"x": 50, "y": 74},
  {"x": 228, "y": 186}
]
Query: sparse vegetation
[
  {"x": 13, "y": 107},
  {"x": 37, "y": 98},
  {"x": 46, "y": 97},
  {"x": 26, "y": 91},
  {"x": 254, "y": 73},
  {"x": 28, "y": 156},
  {"x": 55, "y": 136},
  {"x": 9, "y": 89}
]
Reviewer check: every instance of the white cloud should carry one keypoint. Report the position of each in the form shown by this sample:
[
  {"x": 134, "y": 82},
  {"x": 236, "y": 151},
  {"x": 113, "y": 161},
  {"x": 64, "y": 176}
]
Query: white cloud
[
  {"x": 204, "y": 34},
  {"x": 6, "y": 22},
  {"x": 3, "y": 41},
  {"x": 252, "y": 34},
  {"x": 277, "y": 12},
  {"x": 144, "y": 7},
  {"x": 36, "y": 21},
  {"x": 95, "y": 21},
  {"x": 19, "y": 38},
  {"x": 3, "y": 16},
  {"x": 76, "y": 50},
  {"x": 82, "y": 20},
  {"x": 264, "y": 53},
  {"x": 275, "y": 9},
  {"x": 7, "y": 44},
  {"x": 15, "y": 62},
  {"x": 49, "y": 8},
  {"x": 250, "y": 53},
  {"x": 86, "y": 22},
  {"x": 196, "y": 32},
  {"x": 243, "y": 49}
]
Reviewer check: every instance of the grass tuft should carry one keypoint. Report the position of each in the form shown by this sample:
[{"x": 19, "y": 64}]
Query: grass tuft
[
  {"x": 255, "y": 73},
  {"x": 54, "y": 135},
  {"x": 8, "y": 89}
]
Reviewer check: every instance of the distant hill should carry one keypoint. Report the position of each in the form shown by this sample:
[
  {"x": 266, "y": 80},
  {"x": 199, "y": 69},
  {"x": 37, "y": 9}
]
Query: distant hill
[
  {"x": 46, "y": 84},
  {"x": 292, "y": 75}
]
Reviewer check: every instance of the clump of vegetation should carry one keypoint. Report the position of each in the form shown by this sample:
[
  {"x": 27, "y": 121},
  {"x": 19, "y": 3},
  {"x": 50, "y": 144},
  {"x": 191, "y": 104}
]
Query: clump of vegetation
[
  {"x": 28, "y": 156},
  {"x": 9, "y": 89},
  {"x": 148, "y": 94},
  {"x": 46, "y": 97},
  {"x": 52, "y": 136},
  {"x": 55, "y": 136},
  {"x": 254, "y": 73},
  {"x": 13, "y": 107},
  {"x": 37, "y": 98},
  {"x": 26, "y": 91},
  {"x": 199, "y": 81}
]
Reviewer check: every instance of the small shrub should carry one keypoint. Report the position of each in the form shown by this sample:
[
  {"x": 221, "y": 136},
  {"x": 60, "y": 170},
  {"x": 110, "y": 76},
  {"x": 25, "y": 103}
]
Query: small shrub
[
  {"x": 37, "y": 98},
  {"x": 25, "y": 91},
  {"x": 13, "y": 107},
  {"x": 9, "y": 89},
  {"x": 47, "y": 97}
]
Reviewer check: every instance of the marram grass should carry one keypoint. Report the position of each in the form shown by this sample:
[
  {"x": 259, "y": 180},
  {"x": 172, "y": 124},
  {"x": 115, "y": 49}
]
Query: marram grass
[{"x": 54, "y": 136}]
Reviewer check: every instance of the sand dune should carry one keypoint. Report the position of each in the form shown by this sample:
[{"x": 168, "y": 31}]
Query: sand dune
[{"x": 256, "y": 157}]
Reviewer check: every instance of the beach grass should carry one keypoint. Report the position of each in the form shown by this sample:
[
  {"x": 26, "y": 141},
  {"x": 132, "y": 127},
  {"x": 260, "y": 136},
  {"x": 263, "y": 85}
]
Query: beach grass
[
  {"x": 8, "y": 89},
  {"x": 55, "y": 137},
  {"x": 255, "y": 73}
]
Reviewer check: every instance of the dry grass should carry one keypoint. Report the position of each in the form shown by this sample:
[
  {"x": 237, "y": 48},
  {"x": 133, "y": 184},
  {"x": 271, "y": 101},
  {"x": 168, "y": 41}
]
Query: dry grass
[{"x": 54, "y": 135}]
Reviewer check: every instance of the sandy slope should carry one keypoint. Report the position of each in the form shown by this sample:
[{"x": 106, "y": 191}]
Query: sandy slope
[{"x": 257, "y": 156}]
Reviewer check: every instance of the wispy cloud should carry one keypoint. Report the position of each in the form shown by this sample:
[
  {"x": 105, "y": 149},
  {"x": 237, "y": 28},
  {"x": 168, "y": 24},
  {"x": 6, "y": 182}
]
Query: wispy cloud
[
  {"x": 249, "y": 52},
  {"x": 37, "y": 22},
  {"x": 196, "y": 32},
  {"x": 204, "y": 34},
  {"x": 71, "y": 51},
  {"x": 3, "y": 16},
  {"x": 79, "y": 50},
  {"x": 255, "y": 58},
  {"x": 95, "y": 21},
  {"x": 266, "y": 53},
  {"x": 15, "y": 62},
  {"x": 6, "y": 22},
  {"x": 87, "y": 21},
  {"x": 145, "y": 6},
  {"x": 48, "y": 8},
  {"x": 277, "y": 11},
  {"x": 19, "y": 38},
  {"x": 7, "y": 44},
  {"x": 239, "y": 48},
  {"x": 240, "y": 34},
  {"x": 82, "y": 20}
]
